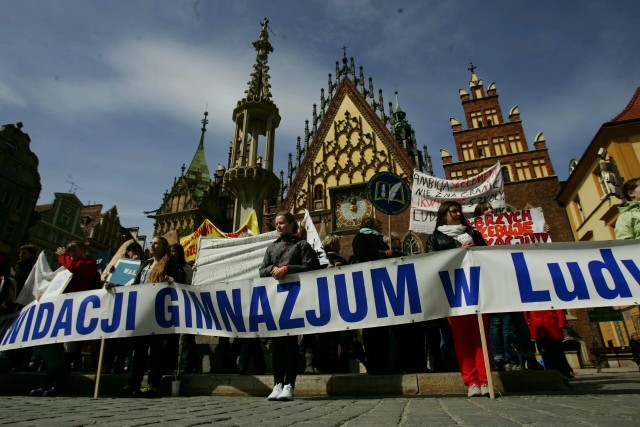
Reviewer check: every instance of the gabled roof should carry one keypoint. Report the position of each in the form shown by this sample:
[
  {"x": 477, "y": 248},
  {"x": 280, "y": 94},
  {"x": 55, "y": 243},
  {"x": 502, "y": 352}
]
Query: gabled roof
[
  {"x": 632, "y": 110},
  {"x": 345, "y": 89}
]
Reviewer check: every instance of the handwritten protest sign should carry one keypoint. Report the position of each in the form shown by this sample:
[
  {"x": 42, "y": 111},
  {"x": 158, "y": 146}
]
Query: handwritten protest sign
[
  {"x": 512, "y": 228},
  {"x": 428, "y": 193}
]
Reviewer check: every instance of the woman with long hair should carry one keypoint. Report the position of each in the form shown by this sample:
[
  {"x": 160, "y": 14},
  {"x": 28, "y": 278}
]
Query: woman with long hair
[
  {"x": 453, "y": 232},
  {"x": 159, "y": 268},
  {"x": 288, "y": 254}
]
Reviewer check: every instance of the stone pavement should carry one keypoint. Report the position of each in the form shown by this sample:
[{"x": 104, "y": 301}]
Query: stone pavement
[{"x": 608, "y": 399}]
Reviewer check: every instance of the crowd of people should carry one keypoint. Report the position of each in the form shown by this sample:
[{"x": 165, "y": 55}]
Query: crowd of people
[{"x": 441, "y": 345}]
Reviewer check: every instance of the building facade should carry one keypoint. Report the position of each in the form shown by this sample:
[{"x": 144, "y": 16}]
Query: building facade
[
  {"x": 193, "y": 198},
  {"x": 592, "y": 194},
  {"x": 529, "y": 176},
  {"x": 19, "y": 188},
  {"x": 351, "y": 139}
]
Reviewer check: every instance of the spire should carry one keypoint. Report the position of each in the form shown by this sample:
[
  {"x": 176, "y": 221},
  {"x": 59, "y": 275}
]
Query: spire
[
  {"x": 198, "y": 169},
  {"x": 259, "y": 84}
]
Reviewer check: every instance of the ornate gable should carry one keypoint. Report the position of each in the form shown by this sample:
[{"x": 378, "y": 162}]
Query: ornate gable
[{"x": 352, "y": 144}]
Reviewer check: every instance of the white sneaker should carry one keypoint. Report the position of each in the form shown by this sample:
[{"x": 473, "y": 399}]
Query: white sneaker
[
  {"x": 474, "y": 391},
  {"x": 286, "y": 394},
  {"x": 277, "y": 389},
  {"x": 484, "y": 390}
]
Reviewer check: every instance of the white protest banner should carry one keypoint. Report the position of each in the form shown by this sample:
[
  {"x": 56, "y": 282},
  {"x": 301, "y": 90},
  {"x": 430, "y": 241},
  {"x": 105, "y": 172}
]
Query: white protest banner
[
  {"x": 313, "y": 238},
  {"x": 222, "y": 260},
  {"x": 57, "y": 285},
  {"x": 37, "y": 281},
  {"x": 489, "y": 279},
  {"x": 512, "y": 228},
  {"x": 428, "y": 193}
]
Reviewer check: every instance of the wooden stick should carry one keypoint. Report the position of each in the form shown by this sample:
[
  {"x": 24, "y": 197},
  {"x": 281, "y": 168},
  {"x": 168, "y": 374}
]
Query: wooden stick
[
  {"x": 99, "y": 373},
  {"x": 485, "y": 354}
]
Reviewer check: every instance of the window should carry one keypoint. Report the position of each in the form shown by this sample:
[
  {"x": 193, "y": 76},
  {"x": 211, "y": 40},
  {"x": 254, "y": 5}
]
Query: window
[
  {"x": 522, "y": 170},
  {"x": 483, "y": 149},
  {"x": 411, "y": 245},
  {"x": 600, "y": 184},
  {"x": 456, "y": 175},
  {"x": 476, "y": 119},
  {"x": 506, "y": 174},
  {"x": 499, "y": 146},
  {"x": 539, "y": 168},
  {"x": 19, "y": 204},
  {"x": 472, "y": 172},
  {"x": 318, "y": 192},
  {"x": 577, "y": 207},
  {"x": 5, "y": 197},
  {"x": 467, "y": 151},
  {"x": 515, "y": 144},
  {"x": 492, "y": 117},
  {"x": 9, "y": 231}
]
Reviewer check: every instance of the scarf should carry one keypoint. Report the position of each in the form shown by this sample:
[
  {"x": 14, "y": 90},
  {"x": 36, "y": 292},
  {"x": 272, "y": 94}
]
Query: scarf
[
  {"x": 366, "y": 230},
  {"x": 452, "y": 230}
]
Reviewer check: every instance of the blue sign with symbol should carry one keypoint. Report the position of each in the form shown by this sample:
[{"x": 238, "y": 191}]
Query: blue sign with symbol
[{"x": 389, "y": 193}]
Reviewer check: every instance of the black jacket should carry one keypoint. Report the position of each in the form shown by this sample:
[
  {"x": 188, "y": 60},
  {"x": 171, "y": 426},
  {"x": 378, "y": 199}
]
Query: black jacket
[
  {"x": 296, "y": 254},
  {"x": 368, "y": 247},
  {"x": 439, "y": 241}
]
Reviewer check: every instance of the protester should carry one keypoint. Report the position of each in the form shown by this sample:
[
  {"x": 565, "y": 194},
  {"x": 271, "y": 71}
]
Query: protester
[
  {"x": 187, "y": 342},
  {"x": 331, "y": 246},
  {"x": 74, "y": 258},
  {"x": 7, "y": 288},
  {"x": 368, "y": 245},
  {"x": 628, "y": 223},
  {"x": 160, "y": 267},
  {"x": 511, "y": 343},
  {"x": 546, "y": 328},
  {"x": 27, "y": 257},
  {"x": 331, "y": 352},
  {"x": 286, "y": 255},
  {"x": 7, "y": 306},
  {"x": 453, "y": 232},
  {"x": 117, "y": 351}
]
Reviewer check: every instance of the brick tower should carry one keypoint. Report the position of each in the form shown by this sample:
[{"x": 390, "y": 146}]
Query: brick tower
[{"x": 529, "y": 178}]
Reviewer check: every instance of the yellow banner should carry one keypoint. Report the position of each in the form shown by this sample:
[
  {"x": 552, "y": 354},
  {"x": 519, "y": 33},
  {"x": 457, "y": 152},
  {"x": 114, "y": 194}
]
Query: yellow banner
[{"x": 207, "y": 229}]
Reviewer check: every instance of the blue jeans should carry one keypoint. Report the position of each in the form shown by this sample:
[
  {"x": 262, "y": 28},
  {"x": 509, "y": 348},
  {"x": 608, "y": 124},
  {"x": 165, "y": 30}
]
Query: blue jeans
[{"x": 502, "y": 335}]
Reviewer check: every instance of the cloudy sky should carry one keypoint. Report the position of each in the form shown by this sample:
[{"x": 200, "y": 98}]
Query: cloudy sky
[{"x": 112, "y": 92}]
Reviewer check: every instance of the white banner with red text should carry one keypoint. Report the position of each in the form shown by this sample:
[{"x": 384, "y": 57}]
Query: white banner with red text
[
  {"x": 387, "y": 292},
  {"x": 428, "y": 192}
]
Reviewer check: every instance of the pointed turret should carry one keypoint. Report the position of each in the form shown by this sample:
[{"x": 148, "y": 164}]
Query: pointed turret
[
  {"x": 250, "y": 180},
  {"x": 405, "y": 135},
  {"x": 198, "y": 170}
]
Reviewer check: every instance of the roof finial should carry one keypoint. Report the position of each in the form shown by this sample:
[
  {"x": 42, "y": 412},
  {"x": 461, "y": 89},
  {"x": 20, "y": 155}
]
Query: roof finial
[
  {"x": 472, "y": 68},
  {"x": 204, "y": 122}
]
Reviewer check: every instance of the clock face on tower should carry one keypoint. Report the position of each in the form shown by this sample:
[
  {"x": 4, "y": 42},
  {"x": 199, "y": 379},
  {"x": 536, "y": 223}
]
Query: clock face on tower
[{"x": 350, "y": 207}]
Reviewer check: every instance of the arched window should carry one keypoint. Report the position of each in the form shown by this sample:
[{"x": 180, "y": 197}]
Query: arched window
[
  {"x": 411, "y": 245},
  {"x": 318, "y": 192}
]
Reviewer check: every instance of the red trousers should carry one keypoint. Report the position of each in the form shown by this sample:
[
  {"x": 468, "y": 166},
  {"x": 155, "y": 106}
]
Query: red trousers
[{"x": 468, "y": 347}]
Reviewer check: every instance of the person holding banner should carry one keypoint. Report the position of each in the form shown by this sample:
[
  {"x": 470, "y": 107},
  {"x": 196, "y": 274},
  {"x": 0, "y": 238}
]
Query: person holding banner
[
  {"x": 452, "y": 231},
  {"x": 509, "y": 332},
  {"x": 160, "y": 267},
  {"x": 628, "y": 223},
  {"x": 84, "y": 268},
  {"x": 286, "y": 255},
  {"x": 369, "y": 245}
]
